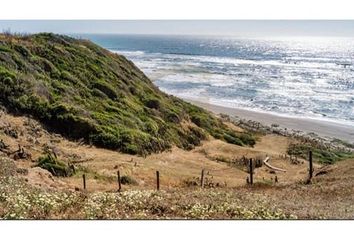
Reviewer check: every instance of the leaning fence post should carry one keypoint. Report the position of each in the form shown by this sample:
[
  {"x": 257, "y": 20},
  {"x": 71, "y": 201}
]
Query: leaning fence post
[
  {"x": 157, "y": 180},
  {"x": 119, "y": 182},
  {"x": 202, "y": 179},
  {"x": 251, "y": 171},
  {"x": 84, "y": 180},
  {"x": 311, "y": 166}
]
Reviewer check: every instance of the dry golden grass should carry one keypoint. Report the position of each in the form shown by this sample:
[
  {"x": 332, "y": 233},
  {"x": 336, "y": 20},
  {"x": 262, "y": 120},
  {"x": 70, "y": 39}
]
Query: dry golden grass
[
  {"x": 175, "y": 166},
  {"x": 329, "y": 196}
]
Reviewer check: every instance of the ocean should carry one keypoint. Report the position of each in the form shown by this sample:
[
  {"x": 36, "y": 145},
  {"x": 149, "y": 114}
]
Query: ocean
[{"x": 296, "y": 77}]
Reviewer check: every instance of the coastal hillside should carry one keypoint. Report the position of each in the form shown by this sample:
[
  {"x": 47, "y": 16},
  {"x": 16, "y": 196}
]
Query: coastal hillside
[
  {"x": 33, "y": 189},
  {"x": 82, "y": 91},
  {"x": 105, "y": 109}
]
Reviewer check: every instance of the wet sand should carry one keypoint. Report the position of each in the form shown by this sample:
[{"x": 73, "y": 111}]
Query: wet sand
[{"x": 322, "y": 128}]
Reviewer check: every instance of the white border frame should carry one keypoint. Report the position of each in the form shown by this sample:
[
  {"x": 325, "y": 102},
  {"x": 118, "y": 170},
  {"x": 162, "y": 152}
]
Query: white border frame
[{"x": 176, "y": 9}]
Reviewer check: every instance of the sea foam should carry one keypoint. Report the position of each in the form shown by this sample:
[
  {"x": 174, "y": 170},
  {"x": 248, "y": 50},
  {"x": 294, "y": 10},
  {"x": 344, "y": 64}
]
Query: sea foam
[{"x": 307, "y": 78}]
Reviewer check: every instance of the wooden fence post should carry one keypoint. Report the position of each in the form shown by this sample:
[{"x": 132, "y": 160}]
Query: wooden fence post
[
  {"x": 157, "y": 180},
  {"x": 84, "y": 180},
  {"x": 251, "y": 171},
  {"x": 311, "y": 166},
  {"x": 119, "y": 183},
  {"x": 202, "y": 179}
]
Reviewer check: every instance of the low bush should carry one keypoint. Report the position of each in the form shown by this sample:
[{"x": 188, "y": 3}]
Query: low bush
[
  {"x": 106, "y": 89},
  {"x": 321, "y": 154},
  {"x": 153, "y": 103},
  {"x": 128, "y": 180},
  {"x": 54, "y": 166},
  {"x": 247, "y": 139},
  {"x": 233, "y": 140}
]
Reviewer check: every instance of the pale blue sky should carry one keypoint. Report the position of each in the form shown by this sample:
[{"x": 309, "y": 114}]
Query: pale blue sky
[{"x": 246, "y": 28}]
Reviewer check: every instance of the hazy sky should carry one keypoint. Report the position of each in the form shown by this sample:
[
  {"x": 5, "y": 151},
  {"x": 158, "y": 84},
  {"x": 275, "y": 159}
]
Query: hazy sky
[{"x": 247, "y": 28}]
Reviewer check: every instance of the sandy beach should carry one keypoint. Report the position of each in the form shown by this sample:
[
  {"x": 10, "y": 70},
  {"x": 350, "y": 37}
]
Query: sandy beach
[{"x": 322, "y": 128}]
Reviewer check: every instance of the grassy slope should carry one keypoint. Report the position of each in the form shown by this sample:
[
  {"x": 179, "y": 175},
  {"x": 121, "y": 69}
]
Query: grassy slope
[
  {"x": 35, "y": 194},
  {"x": 84, "y": 91},
  {"x": 321, "y": 153}
]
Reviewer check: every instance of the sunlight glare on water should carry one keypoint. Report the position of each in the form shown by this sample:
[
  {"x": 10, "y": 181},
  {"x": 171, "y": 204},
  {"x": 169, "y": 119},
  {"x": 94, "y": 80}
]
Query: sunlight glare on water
[{"x": 303, "y": 77}]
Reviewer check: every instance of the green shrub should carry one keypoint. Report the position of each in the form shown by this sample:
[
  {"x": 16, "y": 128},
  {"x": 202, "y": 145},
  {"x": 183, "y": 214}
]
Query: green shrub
[
  {"x": 54, "y": 166},
  {"x": 98, "y": 93},
  {"x": 128, "y": 180},
  {"x": 106, "y": 140},
  {"x": 153, "y": 103},
  {"x": 67, "y": 76},
  {"x": 106, "y": 89},
  {"x": 22, "y": 50},
  {"x": 72, "y": 125},
  {"x": 319, "y": 153},
  {"x": 201, "y": 121},
  {"x": 4, "y": 49},
  {"x": 173, "y": 117},
  {"x": 232, "y": 140},
  {"x": 6, "y": 75},
  {"x": 247, "y": 139}
]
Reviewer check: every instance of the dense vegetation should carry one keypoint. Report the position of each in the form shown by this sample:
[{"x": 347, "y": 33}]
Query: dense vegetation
[
  {"x": 54, "y": 166},
  {"x": 321, "y": 154},
  {"x": 86, "y": 92}
]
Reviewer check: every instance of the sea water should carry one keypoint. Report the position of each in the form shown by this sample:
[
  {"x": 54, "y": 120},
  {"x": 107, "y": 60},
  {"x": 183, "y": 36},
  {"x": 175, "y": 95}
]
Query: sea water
[{"x": 299, "y": 77}]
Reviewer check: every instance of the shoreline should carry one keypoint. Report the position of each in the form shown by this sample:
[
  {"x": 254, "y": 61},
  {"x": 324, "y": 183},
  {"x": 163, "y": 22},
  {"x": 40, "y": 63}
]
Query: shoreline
[{"x": 322, "y": 128}]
